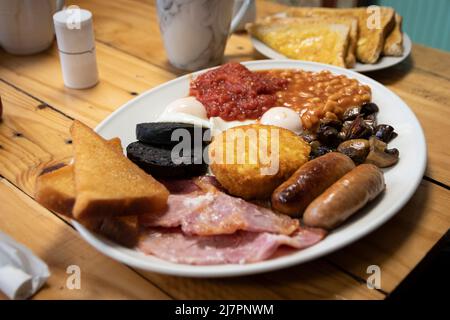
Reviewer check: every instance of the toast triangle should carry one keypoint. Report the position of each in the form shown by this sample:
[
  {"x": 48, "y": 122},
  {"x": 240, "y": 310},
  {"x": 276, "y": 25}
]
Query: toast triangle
[
  {"x": 394, "y": 41},
  {"x": 297, "y": 39},
  {"x": 109, "y": 184},
  {"x": 55, "y": 190},
  {"x": 370, "y": 40}
]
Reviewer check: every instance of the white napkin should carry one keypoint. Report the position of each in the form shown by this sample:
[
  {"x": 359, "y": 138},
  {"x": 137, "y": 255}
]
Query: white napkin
[{"x": 21, "y": 272}]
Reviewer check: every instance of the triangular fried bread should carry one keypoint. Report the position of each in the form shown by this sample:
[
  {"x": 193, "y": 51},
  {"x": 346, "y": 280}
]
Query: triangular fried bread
[
  {"x": 55, "y": 190},
  {"x": 109, "y": 184},
  {"x": 305, "y": 39}
]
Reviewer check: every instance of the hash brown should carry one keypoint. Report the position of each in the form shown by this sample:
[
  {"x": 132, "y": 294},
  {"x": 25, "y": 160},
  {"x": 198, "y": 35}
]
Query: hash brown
[{"x": 241, "y": 167}]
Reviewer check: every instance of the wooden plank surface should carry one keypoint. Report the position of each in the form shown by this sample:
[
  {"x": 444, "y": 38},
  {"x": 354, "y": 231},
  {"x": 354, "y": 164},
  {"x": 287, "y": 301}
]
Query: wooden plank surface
[
  {"x": 398, "y": 245},
  {"x": 31, "y": 137},
  {"x": 315, "y": 280},
  {"x": 60, "y": 246},
  {"x": 122, "y": 77},
  {"x": 39, "y": 110}
]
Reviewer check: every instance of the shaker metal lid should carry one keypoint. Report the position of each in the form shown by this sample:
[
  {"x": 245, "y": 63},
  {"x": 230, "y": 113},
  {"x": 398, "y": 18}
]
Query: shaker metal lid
[{"x": 74, "y": 30}]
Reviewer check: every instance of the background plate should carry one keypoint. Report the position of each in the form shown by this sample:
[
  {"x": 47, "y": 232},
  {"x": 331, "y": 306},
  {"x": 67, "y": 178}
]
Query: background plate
[
  {"x": 401, "y": 180},
  {"x": 383, "y": 63}
]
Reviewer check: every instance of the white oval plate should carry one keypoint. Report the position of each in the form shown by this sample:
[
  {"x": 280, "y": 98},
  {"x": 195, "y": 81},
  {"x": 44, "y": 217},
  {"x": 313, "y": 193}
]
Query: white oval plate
[
  {"x": 383, "y": 63},
  {"x": 401, "y": 180}
]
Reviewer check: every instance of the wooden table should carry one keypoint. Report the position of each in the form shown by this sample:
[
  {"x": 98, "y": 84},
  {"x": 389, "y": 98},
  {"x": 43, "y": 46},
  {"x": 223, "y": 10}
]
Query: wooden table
[{"x": 38, "y": 111}]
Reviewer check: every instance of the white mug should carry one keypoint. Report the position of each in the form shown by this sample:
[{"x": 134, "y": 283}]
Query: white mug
[
  {"x": 26, "y": 26},
  {"x": 195, "y": 32}
]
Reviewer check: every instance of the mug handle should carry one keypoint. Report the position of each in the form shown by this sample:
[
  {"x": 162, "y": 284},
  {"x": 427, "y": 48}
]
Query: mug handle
[
  {"x": 240, "y": 15},
  {"x": 59, "y": 5}
]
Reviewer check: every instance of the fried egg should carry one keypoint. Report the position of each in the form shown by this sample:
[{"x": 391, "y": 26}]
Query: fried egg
[
  {"x": 283, "y": 117},
  {"x": 185, "y": 110},
  {"x": 188, "y": 105}
]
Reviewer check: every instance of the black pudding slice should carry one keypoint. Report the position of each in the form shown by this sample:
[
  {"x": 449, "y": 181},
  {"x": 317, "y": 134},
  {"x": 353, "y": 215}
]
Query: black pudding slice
[
  {"x": 157, "y": 161},
  {"x": 160, "y": 133}
]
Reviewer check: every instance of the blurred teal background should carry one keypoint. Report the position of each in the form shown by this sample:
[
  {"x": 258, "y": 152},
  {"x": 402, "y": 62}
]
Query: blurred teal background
[{"x": 426, "y": 21}]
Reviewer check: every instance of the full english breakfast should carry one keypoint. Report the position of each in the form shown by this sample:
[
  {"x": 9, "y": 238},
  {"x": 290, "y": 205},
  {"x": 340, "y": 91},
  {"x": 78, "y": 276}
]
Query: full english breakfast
[{"x": 248, "y": 163}]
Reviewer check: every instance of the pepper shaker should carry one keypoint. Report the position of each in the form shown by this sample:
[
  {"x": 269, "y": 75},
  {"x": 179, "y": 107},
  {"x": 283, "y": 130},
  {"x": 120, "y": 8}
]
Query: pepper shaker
[{"x": 76, "y": 45}]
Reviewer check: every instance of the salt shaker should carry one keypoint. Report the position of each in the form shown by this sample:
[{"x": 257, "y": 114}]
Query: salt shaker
[{"x": 76, "y": 45}]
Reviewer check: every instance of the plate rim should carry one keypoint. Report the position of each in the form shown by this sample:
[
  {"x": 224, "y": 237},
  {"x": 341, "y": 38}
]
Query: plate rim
[
  {"x": 270, "y": 53},
  {"x": 109, "y": 248}
]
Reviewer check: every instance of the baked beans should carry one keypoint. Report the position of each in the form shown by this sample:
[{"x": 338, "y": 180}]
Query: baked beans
[{"x": 317, "y": 95}]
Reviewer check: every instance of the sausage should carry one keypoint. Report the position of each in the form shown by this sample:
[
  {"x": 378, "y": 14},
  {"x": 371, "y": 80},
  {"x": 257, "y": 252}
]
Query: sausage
[
  {"x": 309, "y": 181},
  {"x": 345, "y": 197}
]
